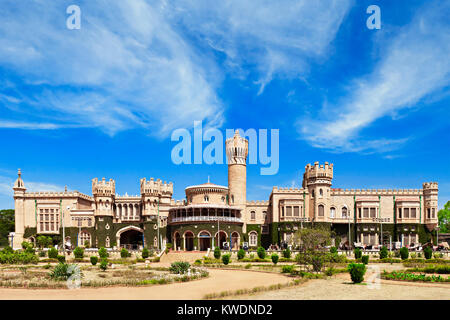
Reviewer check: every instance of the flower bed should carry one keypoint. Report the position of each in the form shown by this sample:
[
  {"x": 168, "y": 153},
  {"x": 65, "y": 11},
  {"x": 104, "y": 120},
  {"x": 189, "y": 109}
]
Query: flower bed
[{"x": 407, "y": 276}]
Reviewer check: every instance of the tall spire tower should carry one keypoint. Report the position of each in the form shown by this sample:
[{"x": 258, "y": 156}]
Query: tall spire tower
[{"x": 237, "y": 151}]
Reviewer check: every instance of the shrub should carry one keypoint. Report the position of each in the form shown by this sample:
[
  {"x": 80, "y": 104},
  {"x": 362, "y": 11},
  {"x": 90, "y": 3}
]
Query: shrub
[
  {"x": 226, "y": 259},
  {"x": 365, "y": 259},
  {"x": 241, "y": 254},
  {"x": 248, "y": 266},
  {"x": 287, "y": 269},
  {"x": 64, "y": 271},
  {"x": 7, "y": 249},
  {"x": 103, "y": 253},
  {"x": 124, "y": 253},
  {"x": 18, "y": 257},
  {"x": 41, "y": 254},
  {"x": 383, "y": 252},
  {"x": 87, "y": 244},
  {"x": 198, "y": 262},
  {"x": 404, "y": 253},
  {"x": 78, "y": 253},
  {"x": 287, "y": 253},
  {"x": 274, "y": 258},
  {"x": 145, "y": 253},
  {"x": 333, "y": 250},
  {"x": 428, "y": 252},
  {"x": 103, "y": 264},
  {"x": 358, "y": 253},
  {"x": 317, "y": 263},
  {"x": 329, "y": 271},
  {"x": 179, "y": 267},
  {"x": 357, "y": 271},
  {"x": 53, "y": 253},
  {"x": 94, "y": 260},
  {"x": 61, "y": 258},
  {"x": 217, "y": 253},
  {"x": 261, "y": 252}
]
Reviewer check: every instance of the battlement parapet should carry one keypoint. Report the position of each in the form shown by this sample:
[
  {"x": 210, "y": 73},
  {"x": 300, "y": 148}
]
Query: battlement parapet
[
  {"x": 258, "y": 202},
  {"x": 103, "y": 187},
  {"x": 430, "y": 186},
  {"x": 157, "y": 186},
  {"x": 376, "y": 192},
  {"x": 287, "y": 190},
  {"x": 58, "y": 194}
]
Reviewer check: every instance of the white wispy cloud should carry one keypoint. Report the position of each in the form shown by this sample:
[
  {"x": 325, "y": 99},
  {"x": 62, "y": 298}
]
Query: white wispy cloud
[
  {"x": 414, "y": 65},
  {"x": 126, "y": 67},
  {"x": 267, "y": 38},
  {"x": 7, "y": 183}
]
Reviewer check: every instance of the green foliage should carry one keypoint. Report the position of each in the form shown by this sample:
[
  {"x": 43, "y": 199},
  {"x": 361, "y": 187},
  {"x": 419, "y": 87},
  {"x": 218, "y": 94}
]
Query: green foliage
[
  {"x": 124, "y": 253},
  {"x": 287, "y": 269},
  {"x": 241, "y": 254},
  {"x": 53, "y": 253},
  {"x": 357, "y": 271},
  {"x": 428, "y": 253},
  {"x": 103, "y": 253},
  {"x": 198, "y": 262},
  {"x": 7, "y": 249},
  {"x": 226, "y": 259},
  {"x": 358, "y": 253},
  {"x": 317, "y": 263},
  {"x": 64, "y": 271},
  {"x": 179, "y": 267},
  {"x": 103, "y": 264},
  {"x": 261, "y": 252},
  {"x": 365, "y": 259},
  {"x": 274, "y": 258},
  {"x": 78, "y": 253},
  {"x": 383, "y": 252},
  {"x": 86, "y": 244},
  {"x": 333, "y": 250},
  {"x": 405, "y": 276},
  {"x": 42, "y": 254},
  {"x": 287, "y": 253},
  {"x": 6, "y": 225},
  {"x": 444, "y": 218},
  {"x": 17, "y": 257},
  {"x": 404, "y": 253},
  {"x": 61, "y": 258},
  {"x": 311, "y": 239},
  {"x": 145, "y": 253},
  {"x": 44, "y": 241},
  {"x": 217, "y": 253},
  {"x": 94, "y": 260}
]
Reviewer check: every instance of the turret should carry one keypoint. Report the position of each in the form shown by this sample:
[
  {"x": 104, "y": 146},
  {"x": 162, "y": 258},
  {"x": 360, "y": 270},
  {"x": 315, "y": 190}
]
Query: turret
[
  {"x": 153, "y": 191},
  {"x": 104, "y": 195},
  {"x": 237, "y": 152},
  {"x": 318, "y": 180},
  {"x": 430, "y": 196},
  {"x": 19, "y": 207}
]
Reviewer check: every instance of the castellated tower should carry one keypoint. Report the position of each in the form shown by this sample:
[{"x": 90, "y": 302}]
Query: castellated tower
[
  {"x": 154, "y": 192},
  {"x": 237, "y": 151},
  {"x": 430, "y": 195},
  {"x": 19, "y": 204},
  {"x": 104, "y": 195},
  {"x": 318, "y": 180}
]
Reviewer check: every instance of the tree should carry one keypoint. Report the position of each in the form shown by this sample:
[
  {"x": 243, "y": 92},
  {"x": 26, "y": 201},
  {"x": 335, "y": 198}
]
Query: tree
[
  {"x": 444, "y": 218},
  {"x": 6, "y": 226},
  {"x": 311, "y": 243}
]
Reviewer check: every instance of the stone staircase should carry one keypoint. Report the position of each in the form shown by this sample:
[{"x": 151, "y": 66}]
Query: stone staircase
[{"x": 188, "y": 256}]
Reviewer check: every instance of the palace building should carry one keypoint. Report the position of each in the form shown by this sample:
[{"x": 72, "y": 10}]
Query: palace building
[{"x": 214, "y": 215}]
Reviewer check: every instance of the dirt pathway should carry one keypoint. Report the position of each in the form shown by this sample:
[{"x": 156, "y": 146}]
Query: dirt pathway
[
  {"x": 340, "y": 288},
  {"x": 219, "y": 280}
]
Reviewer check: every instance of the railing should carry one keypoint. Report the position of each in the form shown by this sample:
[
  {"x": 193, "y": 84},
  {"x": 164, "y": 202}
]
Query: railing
[
  {"x": 295, "y": 219},
  {"x": 206, "y": 218}
]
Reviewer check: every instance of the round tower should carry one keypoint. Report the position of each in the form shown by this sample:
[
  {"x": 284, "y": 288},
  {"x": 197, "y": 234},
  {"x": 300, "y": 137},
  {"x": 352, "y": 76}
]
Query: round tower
[
  {"x": 237, "y": 151},
  {"x": 318, "y": 179},
  {"x": 19, "y": 210},
  {"x": 104, "y": 195},
  {"x": 430, "y": 196}
]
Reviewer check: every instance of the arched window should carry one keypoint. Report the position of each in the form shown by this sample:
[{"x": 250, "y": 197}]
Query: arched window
[
  {"x": 107, "y": 242},
  {"x": 223, "y": 199},
  {"x": 253, "y": 239},
  {"x": 206, "y": 198},
  {"x": 321, "y": 192},
  {"x": 252, "y": 215},
  {"x": 155, "y": 242},
  {"x": 312, "y": 194},
  {"x": 85, "y": 238},
  {"x": 232, "y": 198},
  {"x": 332, "y": 212},
  {"x": 321, "y": 210},
  {"x": 344, "y": 212}
]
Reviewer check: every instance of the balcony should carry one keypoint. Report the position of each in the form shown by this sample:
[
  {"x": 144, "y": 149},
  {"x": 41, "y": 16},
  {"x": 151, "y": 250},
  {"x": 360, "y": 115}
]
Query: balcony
[
  {"x": 206, "y": 219},
  {"x": 296, "y": 219}
]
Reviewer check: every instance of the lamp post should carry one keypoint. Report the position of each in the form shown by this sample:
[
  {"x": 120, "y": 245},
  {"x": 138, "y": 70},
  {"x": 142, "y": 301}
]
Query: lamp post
[
  {"x": 437, "y": 235},
  {"x": 349, "y": 232},
  {"x": 64, "y": 232}
]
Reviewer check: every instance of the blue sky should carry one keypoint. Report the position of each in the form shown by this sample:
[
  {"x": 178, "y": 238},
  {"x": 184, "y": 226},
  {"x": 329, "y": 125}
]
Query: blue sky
[{"x": 103, "y": 101}]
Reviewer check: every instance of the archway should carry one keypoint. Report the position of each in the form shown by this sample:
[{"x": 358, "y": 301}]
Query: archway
[
  {"x": 188, "y": 241},
  {"x": 177, "y": 241},
  {"x": 235, "y": 240},
  {"x": 204, "y": 239},
  {"x": 220, "y": 238},
  {"x": 130, "y": 237}
]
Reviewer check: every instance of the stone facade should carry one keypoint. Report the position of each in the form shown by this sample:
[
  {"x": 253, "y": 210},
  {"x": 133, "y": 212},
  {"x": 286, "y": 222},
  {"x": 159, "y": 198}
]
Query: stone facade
[{"x": 219, "y": 215}]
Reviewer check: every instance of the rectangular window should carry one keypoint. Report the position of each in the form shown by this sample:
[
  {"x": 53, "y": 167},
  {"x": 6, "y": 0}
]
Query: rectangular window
[
  {"x": 89, "y": 223},
  {"x": 428, "y": 213},
  {"x": 406, "y": 213},
  {"x": 434, "y": 213},
  {"x": 373, "y": 213},
  {"x": 41, "y": 224},
  {"x": 288, "y": 211},
  {"x": 413, "y": 213},
  {"x": 359, "y": 213},
  {"x": 282, "y": 211},
  {"x": 366, "y": 238},
  {"x": 399, "y": 213},
  {"x": 296, "y": 212},
  {"x": 46, "y": 226},
  {"x": 366, "y": 212}
]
